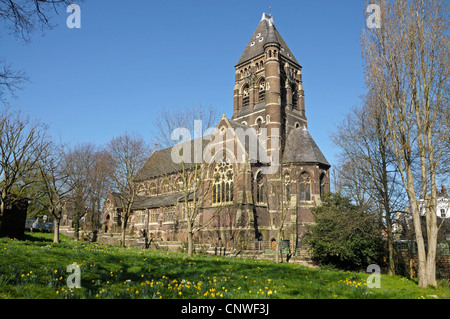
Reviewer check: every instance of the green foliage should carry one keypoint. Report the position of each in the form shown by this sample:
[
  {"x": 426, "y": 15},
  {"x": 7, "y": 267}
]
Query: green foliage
[
  {"x": 345, "y": 236},
  {"x": 36, "y": 268}
]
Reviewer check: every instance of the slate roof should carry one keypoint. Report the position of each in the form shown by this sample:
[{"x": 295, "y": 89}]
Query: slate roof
[
  {"x": 164, "y": 200},
  {"x": 301, "y": 148},
  {"x": 160, "y": 163},
  {"x": 148, "y": 202},
  {"x": 265, "y": 33}
]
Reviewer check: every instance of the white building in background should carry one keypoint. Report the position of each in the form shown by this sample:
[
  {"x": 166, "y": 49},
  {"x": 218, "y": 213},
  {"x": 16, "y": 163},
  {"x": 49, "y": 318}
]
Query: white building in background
[
  {"x": 403, "y": 219},
  {"x": 442, "y": 209}
]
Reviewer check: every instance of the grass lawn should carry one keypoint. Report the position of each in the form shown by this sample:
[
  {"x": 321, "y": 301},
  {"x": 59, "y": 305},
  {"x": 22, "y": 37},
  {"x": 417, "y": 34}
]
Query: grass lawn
[{"x": 37, "y": 268}]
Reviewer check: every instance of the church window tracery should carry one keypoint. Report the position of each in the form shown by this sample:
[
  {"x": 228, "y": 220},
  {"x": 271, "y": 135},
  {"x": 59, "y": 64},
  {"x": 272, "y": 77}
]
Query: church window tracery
[
  {"x": 305, "y": 187},
  {"x": 260, "y": 198},
  {"x": 262, "y": 90},
  {"x": 223, "y": 183},
  {"x": 246, "y": 96}
]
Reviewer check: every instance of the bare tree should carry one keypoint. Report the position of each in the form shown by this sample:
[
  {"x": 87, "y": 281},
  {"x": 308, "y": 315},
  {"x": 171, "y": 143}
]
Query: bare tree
[
  {"x": 127, "y": 154},
  {"x": 192, "y": 170},
  {"x": 407, "y": 68},
  {"x": 22, "y": 18},
  {"x": 22, "y": 144},
  {"x": 54, "y": 184},
  {"x": 10, "y": 80},
  {"x": 368, "y": 168},
  {"x": 99, "y": 184},
  {"x": 87, "y": 168},
  {"x": 79, "y": 165},
  {"x": 279, "y": 203}
]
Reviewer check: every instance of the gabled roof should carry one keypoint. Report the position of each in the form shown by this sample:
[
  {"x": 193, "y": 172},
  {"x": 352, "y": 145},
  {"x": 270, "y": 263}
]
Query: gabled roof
[
  {"x": 265, "y": 33},
  {"x": 160, "y": 162},
  {"x": 301, "y": 148}
]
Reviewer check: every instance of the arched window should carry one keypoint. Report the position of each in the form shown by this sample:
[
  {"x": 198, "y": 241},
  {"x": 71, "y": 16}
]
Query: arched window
[
  {"x": 305, "y": 187},
  {"x": 141, "y": 190},
  {"x": 259, "y": 123},
  {"x": 180, "y": 184},
  {"x": 165, "y": 187},
  {"x": 262, "y": 90},
  {"x": 294, "y": 99},
  {"x": 152, "y": 189},
  {"x": 287, "y": 186},
  {"x": 260, "y": 198},
  {"x": 322, "y": 184},
  {"x": 223, "y": 183},
  {"x": 246, "y": 96}
]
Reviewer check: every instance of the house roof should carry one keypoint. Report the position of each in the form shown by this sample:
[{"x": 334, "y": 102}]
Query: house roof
[{"x": 265, "y": 33}]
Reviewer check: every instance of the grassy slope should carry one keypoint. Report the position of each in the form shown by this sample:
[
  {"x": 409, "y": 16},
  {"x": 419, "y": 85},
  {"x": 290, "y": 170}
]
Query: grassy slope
[{"x": 36, "y": 268}]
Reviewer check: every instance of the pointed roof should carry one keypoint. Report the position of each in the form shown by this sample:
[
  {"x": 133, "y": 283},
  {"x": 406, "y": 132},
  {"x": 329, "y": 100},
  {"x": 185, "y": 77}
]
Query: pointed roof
[
  {"x": 265, "y": 33},
  {"x": 161, "y": 162},
  {"x": 301, "y": 148}
]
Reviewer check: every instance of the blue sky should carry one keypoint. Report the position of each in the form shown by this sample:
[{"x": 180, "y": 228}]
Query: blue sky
[{"x": 132, "y": 59}]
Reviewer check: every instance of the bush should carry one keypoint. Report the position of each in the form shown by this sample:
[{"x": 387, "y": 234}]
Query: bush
[{"x": 345, "y": 236}]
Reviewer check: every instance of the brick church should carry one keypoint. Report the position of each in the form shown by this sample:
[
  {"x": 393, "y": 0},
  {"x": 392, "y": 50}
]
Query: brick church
[{"x": 264, "y": 172}]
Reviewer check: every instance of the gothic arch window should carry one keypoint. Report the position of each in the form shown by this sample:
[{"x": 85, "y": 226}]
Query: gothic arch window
[
  {"x": 287, "y": 186},
  {"x": 305, "y": 187},
  {"x": 164, "y": 187},
  {"x": 180, "y": 184},
  {"x": 141, "y": 190},
  {"x": 322, "y": 184},
  {"x": 294, "y": 99},
  {"x": 245, "y": 96},
  {"x": 260, "y": 198},
  {"x": 223, "y": 183},
  {"x": 194, "y": 184},
  {"x": 259, "y": 122},
  {"x": 152, "y": 189},
  {"x": 262, "y": 90},
  {"x": 107, "y": 223}
]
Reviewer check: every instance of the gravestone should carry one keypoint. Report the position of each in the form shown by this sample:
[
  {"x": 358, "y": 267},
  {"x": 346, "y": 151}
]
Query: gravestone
[{"x": 13, "y": 221}]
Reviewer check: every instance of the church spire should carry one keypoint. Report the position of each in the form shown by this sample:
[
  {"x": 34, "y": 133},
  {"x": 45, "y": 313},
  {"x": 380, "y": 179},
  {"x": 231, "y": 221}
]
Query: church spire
[
  {"x": 265, "y": 33},
  {"x": 268, "y": 91}
]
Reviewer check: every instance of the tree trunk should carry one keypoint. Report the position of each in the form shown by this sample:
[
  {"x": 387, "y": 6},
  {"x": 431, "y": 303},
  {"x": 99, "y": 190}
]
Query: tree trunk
[
  {"x": 190, "y": 240},
  {"x": 56, "y": 231},
  {"x": 421, "y": 255},
  {"x": 277, "y": 248},
  {"x": 124, "y": 226}
]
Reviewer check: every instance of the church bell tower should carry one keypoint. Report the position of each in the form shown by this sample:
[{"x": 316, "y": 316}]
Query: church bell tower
[{"x": 268, "y": 90}]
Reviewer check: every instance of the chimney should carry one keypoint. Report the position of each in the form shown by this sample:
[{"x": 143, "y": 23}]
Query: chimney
[{"x": 443, "y": 191}]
